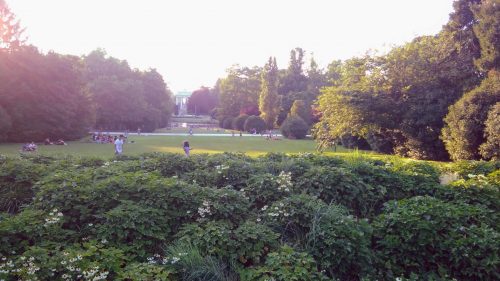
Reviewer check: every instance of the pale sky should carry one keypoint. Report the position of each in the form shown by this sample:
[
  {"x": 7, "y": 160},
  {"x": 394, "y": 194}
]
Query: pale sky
[{"x": 192, "y": 42}]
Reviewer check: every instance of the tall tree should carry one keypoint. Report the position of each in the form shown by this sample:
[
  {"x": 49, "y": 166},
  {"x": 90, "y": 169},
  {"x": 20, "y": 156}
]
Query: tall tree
[
  {"x": 465, "y": 123},
  {"x": 487, "y": 31},
  {"x": 268, "y": 101},
  {"x": 239, "y": 92},
  {"x": 43, "y": 96},
  {"x": 10, "y": 29},
  {"x": 490, "y": 149},
  {"x": 301, "y": 109},
  {"x": 294, "y": 79},
  {"x": 126, "y": 98}
]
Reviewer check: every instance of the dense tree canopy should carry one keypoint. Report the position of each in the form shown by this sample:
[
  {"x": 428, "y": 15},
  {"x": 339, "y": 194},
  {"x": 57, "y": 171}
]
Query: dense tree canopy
[
  {"x": 239, "y": 92},
  {"x": 490, "y": 149},
  {"x": 126, "y": 98},
  {"x": 43, "y": 96},
  {"x": 398, "y": 101},
  {"x": 202, "y": 101},
  {"x": 268, "y": 101},
  {"x": 464, "y": 131}
]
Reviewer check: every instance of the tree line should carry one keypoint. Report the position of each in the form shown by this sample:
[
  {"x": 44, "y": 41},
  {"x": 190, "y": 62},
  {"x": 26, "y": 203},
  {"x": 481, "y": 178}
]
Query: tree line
[
  {"x": 62, "y": 96},
  {"x": 436, "y": 97}
]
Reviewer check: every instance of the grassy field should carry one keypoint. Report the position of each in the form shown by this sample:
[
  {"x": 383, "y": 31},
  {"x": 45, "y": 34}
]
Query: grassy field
[{"x": 253, "y": 146}]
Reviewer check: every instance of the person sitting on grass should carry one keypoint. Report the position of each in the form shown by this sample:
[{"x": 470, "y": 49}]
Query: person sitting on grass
[
  {"x": 29, "y": 147},
  {"x": 60, "y": 142},
  {"x": 186, "y": 148}
]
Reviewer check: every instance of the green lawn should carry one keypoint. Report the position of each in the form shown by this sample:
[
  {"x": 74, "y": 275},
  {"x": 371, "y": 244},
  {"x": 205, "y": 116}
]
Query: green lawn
[{"x": 253, "y": 146}]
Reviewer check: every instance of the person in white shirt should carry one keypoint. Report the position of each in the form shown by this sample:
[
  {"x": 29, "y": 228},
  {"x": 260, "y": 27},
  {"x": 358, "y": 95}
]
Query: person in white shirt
[{"x": 119, "y": 145}]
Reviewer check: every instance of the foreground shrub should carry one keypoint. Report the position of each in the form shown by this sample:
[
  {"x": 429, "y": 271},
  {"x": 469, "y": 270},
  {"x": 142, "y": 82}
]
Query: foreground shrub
[
  {"x": 292, "y": 216},
  {"x": 89, "y": 261},
  {"x": 192, "y": 265},
  {"x": 466, "y": 168},
  {"x": 265, "y": 189},
  {"x": 248, "y": 243},
  {"x": 284, "y": 265},
  {"x": 477, "y": 190},
  {"x": 424, "y": 235},
  {"x": 294, "y": 127},
  {"x": 141, "y": 230},
  {"x": 145, "y": 271},
  {"x": 339, "y": 186},
  {"x": 341, "y": 244},
  {"x": 17, "y": 178}
]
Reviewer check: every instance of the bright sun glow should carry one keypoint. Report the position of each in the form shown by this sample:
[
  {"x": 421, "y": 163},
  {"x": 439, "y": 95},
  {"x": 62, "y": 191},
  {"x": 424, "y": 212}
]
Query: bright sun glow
[{"x": 191, "y": 43}]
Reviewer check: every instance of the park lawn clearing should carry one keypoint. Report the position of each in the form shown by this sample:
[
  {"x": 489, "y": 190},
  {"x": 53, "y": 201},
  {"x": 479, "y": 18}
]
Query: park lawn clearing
[{"x": 252, "y": 146}]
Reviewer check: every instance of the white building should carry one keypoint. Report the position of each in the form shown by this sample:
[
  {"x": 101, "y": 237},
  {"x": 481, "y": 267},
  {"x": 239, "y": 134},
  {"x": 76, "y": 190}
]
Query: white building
[{"x": 181, "y": 99}]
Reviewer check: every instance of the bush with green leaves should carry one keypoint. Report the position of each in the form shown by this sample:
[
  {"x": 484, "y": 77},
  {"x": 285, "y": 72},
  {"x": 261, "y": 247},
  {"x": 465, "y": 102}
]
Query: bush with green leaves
[
  {"x": 477, "y": 190},
  {"x": 339, "y": 186},
  {"x": 341, "y": 244},
  {"x": 140, "y": 229},
  {"x": 239, "y": 122},
  {"x": 145, "y": 271},
  {"x": 17, "y": 179},
  {"x": 294, "y": 127},
  {"x": 490, "y": 149},
  {"x": 424, "y": 235},
  {"x": 264, "y": 189},
  {"x": 212, "y": 238},
  {"x": 292, "y": 216},
  {"x": 227, "y": 123},
  {"x": 255, "y": 122},
  {"x": 284, "y": 265},
  {"x": 466, "y": 168},
  {"x": 464, "y": 130},
  {"x": 251, "y": 242},
  {"x": 167, "y": 217}
]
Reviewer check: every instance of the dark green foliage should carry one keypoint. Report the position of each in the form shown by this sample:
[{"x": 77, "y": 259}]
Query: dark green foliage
[
  {"x": 202, "y": 101},
  {"x": 424, "y": 235},
  {"x": 283, "y": 265},
  {"x": 294, "y": 127},
  {"x": 227, "y": 123},
  {"x": 239, "y": 122},
  {"x": 214, "y": 217},
  {"x": 43, "y": 96},
  {"x": 254, "y": 122},
  {"x": 341, "y": 244},
  {"x": 487, "y": 31},
  {"x": 17, "y": 179},
  {"x": 126, "y": 98},
  {"x": 465, "y": 123},
  {"x": 466, "y": 168},
  {"x": 142, "y": 229},
  {"x": 490, "y": 149},
  {"x": 340, "y": 186},
  {"x": 301, "y": 109},
  {"x": 292, "y": 216}
]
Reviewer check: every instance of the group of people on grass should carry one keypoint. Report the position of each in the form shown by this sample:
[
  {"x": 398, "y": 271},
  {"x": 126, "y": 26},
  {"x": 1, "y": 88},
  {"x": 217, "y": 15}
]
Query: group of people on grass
[
  {"x": 103, "y": 138},
  {"x": 31, "y": 146}
]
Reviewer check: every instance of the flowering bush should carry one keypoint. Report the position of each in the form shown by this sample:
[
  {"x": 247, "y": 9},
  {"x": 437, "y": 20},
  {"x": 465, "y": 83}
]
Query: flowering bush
[{"x": 225, "y": 216}]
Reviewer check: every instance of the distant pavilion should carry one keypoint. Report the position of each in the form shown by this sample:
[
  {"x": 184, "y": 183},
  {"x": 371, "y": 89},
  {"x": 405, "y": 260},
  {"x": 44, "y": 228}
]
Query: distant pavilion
[{"x": 181, "y": 99}]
